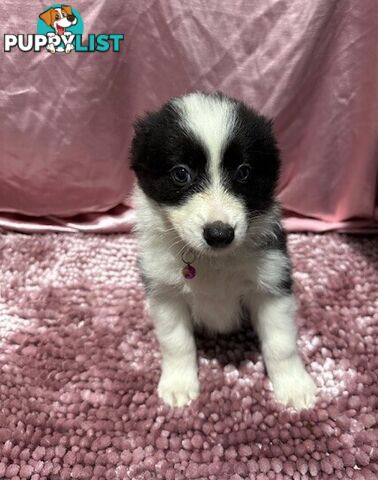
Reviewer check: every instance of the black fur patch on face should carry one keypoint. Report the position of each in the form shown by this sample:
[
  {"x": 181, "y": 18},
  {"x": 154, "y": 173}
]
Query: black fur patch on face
[
  {"x": 252, "y": 143},
  {"x": 159, "y": 144}
]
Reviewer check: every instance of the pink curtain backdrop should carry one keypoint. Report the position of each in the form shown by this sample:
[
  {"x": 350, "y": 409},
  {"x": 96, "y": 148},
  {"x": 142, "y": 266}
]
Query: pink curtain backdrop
[{"x": 309, "y": 64}]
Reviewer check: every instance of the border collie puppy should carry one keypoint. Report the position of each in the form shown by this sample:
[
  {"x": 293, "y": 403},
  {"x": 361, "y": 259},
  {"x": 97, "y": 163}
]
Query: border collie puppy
[{"x": 212, "y": 247}]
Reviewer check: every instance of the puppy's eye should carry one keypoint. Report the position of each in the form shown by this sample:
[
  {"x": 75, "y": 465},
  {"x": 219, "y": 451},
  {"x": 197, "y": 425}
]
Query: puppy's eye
[
  {"x": 57, "y": 16},
  {"x": 242, "y": 173},
  {"x": 181, "y": 175}
]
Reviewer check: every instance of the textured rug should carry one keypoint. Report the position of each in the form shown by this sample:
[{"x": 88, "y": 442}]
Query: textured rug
[{"x": 79, "y": 368}]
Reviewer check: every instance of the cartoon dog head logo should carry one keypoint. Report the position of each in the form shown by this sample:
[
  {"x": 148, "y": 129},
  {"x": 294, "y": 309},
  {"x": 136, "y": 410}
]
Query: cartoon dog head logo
[
  {"x": 60, "y": 29},
  {"x": 59, "y": 20}
]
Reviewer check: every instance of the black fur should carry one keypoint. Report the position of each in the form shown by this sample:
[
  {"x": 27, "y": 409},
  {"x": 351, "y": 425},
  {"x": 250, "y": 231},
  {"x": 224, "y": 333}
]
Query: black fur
[
  {"x": 253, "y": 143},
  {"x": 278, "y": 241},
  {"x": 285, "y": 286},
  {"x": 160, "y": 142}
]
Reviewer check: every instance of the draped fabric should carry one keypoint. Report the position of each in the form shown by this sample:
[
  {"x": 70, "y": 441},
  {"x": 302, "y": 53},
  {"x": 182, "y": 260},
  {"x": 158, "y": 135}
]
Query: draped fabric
[{"x": 311, "y": 65}]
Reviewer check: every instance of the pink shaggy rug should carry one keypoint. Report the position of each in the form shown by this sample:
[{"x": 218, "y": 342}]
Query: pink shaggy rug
[{"x": 79, "y": 368}]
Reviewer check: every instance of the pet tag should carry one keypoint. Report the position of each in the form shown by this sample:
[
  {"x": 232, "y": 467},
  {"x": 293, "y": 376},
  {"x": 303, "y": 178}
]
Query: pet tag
[{"x": 188, "y": 271}]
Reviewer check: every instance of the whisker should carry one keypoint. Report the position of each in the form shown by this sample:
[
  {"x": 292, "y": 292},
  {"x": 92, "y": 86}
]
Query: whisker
[{"x": 166, "y": 230}]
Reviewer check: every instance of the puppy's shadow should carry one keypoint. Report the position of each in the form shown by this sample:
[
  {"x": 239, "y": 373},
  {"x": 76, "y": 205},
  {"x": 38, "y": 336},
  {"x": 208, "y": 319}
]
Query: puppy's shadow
[{"x": 233, "y": 348}]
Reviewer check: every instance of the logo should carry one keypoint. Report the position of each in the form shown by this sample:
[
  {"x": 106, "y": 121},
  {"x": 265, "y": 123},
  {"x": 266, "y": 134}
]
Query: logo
[{"x": 60, "y": 29}]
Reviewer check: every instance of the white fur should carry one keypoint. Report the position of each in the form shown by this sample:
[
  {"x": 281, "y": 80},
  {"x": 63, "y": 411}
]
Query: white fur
[
  {"x": 214, "y": 204},
  {"x": 273, "y": 265},
  {"x": 179, "y": 381},
  {"x": 274, "y": 322},
  {"x": 211, "y": 120},
  {"x": 228, "y": 279},
  {"x": 212, "y": 299}
]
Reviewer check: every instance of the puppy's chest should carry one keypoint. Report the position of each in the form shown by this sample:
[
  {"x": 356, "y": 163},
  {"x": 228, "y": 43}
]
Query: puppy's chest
[{"x": 215, "y": 296}]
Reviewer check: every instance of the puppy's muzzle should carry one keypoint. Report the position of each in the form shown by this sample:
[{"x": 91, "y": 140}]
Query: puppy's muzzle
[{"x": 218, "y": 234}]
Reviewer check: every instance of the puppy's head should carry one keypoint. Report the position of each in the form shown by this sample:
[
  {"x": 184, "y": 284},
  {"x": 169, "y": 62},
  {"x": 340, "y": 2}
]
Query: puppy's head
[{"x": 211, "y": 164}]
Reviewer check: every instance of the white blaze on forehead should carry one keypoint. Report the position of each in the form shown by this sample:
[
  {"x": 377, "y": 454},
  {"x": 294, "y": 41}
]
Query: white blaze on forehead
[
  {"x": 59, "y": 10},
  {"x": 211, "y": 118}
]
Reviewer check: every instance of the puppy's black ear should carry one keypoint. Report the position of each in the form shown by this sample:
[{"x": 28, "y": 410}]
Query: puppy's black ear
[
  {"x": 139, "y": 153},
  {"x": 150, "y": 137},
  {"x": 155, "y": 133}
]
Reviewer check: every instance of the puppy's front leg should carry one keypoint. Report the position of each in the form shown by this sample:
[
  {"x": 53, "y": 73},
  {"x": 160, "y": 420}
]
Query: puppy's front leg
[
  {"x": 275, "y": 325},
  {"x": 179, "y": 380}
]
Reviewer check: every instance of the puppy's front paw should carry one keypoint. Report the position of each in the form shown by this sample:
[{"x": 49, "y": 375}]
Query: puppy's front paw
[
  {"x": 178, "y": 388},
  {"x": 294, "y": 388}
]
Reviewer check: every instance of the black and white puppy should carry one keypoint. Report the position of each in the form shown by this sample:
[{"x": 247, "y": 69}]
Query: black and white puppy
[{"x": 207, "y": 167}]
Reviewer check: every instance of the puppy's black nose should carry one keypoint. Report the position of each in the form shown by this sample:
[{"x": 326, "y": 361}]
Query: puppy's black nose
[
  {"x": 218, "y": 234},
  {"x": 71, "y": 18}
]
